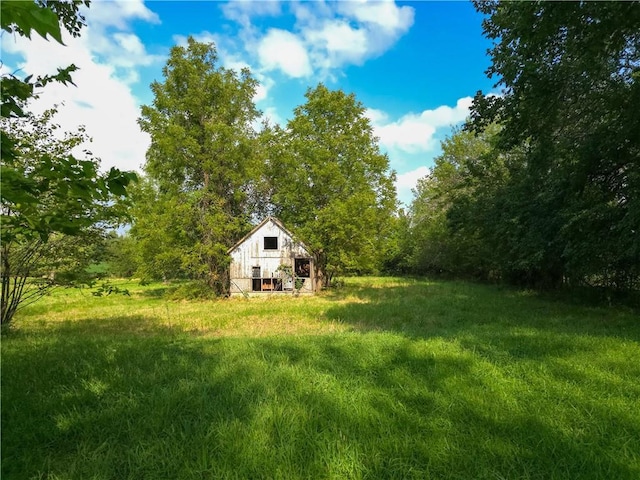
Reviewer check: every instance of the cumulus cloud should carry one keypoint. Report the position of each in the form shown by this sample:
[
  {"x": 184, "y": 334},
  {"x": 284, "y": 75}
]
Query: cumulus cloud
[
  {"x": 414, "y": 137},
  {"x": 280, "y": 49},
  {"x": 108, "y": 56},
  {"x": 325, "y": 37},
  {"x": 382, "y": 22},
  {"x": 375, "y": 116},
  {"x": 413, "y": 132},
  {"x": 119, "y": 14},
  {"x": 351, "y": 32},
  {"x": 242, "y": 11},
  {"x": 386, "y": 14},
  {"x": 271, "y": 115},
  {"x": 336, "y": 43}
]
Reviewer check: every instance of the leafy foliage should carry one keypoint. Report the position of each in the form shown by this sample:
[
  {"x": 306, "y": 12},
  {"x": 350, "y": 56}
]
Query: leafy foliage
[
  {"x": 52, "y": 203},
  {"x": 448, "y": 216},
  {"x": 201, "y": 165},
  {"x": 120, "y": 253},
  {"x": 54, "y": 208},
  {"x": 569, "y": 114},
  {"x": 331, "y": 184},
  {"x": 43, "y": 17},
  {"x": 107, "y": 288},
  {"x": 24, "y": 17},
  {"x": 45, "y": 189}
]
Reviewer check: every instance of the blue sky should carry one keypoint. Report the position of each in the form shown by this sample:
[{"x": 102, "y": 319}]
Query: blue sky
[{"x": 413, "y": 65}]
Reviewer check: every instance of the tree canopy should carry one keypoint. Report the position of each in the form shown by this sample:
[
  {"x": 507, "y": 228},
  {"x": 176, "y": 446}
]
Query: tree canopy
[
  {"x": 331, "y": 184},
  {"x": 541, "y": 187},
  {"x": 48, "y": 194},
  {"x": 201, "y": 165},
  {"x": 570, "y": 74}
]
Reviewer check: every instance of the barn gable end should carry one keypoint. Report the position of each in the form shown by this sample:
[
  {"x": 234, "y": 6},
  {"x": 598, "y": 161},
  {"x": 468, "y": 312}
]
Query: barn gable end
[{"x": 269, "y": 260}]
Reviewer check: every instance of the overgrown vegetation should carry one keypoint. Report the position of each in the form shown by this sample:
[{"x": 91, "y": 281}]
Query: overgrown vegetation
[
  {"x": 383, "y": 378},
  {"x": 549, "y": 197},
  {"x": 211, "y": 173},
  {"x": 201, "y": 167},
  {"x": 331, "y": 184},
  {"x": 380, "y": 378},
  {"x": 54, "y": 203}
]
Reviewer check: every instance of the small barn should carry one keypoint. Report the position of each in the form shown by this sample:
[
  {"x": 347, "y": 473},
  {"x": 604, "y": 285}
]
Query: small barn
[{"x": 269, "y": 260}]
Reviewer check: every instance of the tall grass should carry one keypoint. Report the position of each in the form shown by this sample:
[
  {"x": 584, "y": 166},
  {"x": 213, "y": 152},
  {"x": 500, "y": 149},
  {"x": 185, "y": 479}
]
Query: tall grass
[{"x": 385, "y": 378}]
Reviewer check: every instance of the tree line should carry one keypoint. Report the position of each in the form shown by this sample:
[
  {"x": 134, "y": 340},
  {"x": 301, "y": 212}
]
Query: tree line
[
  {"x": 539, "y": 188},
  {"x": 542, "y": 186}
]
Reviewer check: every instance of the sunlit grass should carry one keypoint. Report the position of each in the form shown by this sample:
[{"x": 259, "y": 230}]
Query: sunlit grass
[{"x": 384, "y": 378}]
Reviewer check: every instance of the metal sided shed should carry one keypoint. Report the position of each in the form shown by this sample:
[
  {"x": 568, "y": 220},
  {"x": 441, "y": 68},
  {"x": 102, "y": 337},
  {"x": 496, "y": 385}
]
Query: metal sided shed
[{"x": 269, "y": 260}]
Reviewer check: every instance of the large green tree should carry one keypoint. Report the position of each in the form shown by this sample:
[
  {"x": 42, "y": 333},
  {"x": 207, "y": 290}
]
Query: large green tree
[
  {"x": 52, "y": 202},
  {"x": 331, "y": 184},
  {"x": 54, "y": 206},
  {"x": 570, "y": 73},
  {"x": 448, "y": 214},
  {"x": 202, "y": 163}
]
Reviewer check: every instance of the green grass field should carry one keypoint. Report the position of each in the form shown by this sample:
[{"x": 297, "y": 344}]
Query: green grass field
[{"x": 384, "y": 378}]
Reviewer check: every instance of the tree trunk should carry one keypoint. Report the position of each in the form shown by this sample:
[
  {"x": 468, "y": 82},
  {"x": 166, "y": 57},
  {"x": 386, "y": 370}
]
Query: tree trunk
[{"x": 319, "y": 272}]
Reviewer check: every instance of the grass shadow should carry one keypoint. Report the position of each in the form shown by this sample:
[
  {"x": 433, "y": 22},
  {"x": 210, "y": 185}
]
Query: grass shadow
[
  {"x": 423, "y": 309},
  {"x": 433, "y": 380},
  {"x": 163, "y": 404}
]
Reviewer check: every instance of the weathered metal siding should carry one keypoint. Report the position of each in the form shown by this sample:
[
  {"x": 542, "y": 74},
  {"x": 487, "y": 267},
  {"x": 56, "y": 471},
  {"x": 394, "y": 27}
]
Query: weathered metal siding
[{"x": 251, "y": 253}]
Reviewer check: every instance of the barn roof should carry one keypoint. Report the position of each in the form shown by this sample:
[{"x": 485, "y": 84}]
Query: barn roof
[{"x": 260, "y": 225}]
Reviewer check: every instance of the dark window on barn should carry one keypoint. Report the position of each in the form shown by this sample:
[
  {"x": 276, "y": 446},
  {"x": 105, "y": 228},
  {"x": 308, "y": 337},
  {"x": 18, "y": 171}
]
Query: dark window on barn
[
  {"x": 255, "y": 272},
  {"x": 303, "y": 267},
  {"x": 270, "y": 243}
]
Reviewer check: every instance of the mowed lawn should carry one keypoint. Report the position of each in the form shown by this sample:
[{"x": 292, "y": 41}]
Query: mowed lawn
[{"x": 383, "y": 378}]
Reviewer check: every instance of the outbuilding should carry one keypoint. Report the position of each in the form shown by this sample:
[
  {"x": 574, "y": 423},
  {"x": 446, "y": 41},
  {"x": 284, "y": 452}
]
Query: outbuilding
[{"x": 270, "y": 260}]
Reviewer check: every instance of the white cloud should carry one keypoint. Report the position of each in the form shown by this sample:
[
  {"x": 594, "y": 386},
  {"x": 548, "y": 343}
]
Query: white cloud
[
  {"x": 202, "y": 37},
  {"x": 261, "y": 93},
  {"x": 410, "y": 134},
  {"x": 383, "y": 14},
  {"x": 350, "y": 33},
  {"x": 243, "y": 10},
  {"x": 271, "y": 114},
  {"x": 108, "y": 13},
  {"x": 108, "y": 57},
  {"x": 133, "y": 49},
  {"x": 101, "y": 102},
  {"x": 282, "y": 50},
  {"x": 355, "y": 32},
  {"x": 406, "y": 182},
  {"x": 307, "y": 13},
  {"x": 413, "y": 137},
  {"x": 326, "y": 35},
  {"x": 336, "y": 43},
  {"x": 416, "y": 132},
  {"x": 375, "y": 116}
]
